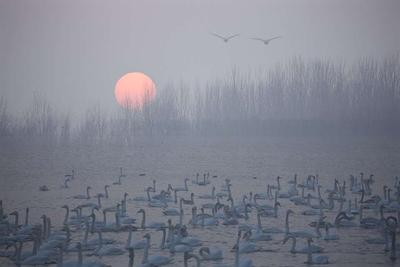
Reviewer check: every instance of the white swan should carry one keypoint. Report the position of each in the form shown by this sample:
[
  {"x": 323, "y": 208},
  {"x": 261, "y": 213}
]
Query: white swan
[
  {"x": 315, "y": 259},
  {"x": 206, "y": 196},
  {"x": 212, "y": 253},
  {"x": 299, "y": 233},
  {"x": 153, "y": 260},
  {"x": 239, "y": 262},
  {"x": 304, "y": 250},
  {"x": 329, "y": 236},
  {"x": 225, "y": 38},
  {"x": 187, "y": 256},
  {"x": 153, "y": 225},
  {"x": 80, "y": 262},
  {"x": 155, "y": 203},
  {"x": 135, "y": 244},
  {"x": 183, "y": 189},
  {"x": 106, "y": 250},
  {"x": 87, "y": 196}
]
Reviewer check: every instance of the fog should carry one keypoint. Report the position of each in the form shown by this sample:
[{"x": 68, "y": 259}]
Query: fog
[
  {"x": 72, "y": 53},
  {"x": 240, "y": 138}
]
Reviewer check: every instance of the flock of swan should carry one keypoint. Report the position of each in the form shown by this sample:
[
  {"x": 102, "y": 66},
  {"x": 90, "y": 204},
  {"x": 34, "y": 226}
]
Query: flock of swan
[{"x": 84, "y": 226}]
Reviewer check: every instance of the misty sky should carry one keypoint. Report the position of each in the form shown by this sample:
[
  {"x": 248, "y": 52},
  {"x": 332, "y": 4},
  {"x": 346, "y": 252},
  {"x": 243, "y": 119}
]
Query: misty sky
[{"x": 75, "y": 51}]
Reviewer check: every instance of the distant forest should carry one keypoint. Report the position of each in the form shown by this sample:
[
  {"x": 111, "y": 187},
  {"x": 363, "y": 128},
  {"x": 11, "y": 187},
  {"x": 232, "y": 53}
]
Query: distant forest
[{"x": 297, "y": 97}]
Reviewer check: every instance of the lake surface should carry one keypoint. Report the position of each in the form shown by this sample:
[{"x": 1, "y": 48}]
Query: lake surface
[{"x": 169, "y": 160}]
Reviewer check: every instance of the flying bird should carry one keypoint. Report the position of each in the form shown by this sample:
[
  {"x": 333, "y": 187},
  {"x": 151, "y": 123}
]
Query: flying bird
[
  {"x": 266, "y": 41},
  {"x": 225, "y": 39}
]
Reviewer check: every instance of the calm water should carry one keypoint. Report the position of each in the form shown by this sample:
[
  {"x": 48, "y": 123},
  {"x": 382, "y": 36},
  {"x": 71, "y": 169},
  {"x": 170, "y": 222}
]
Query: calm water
[{"x": 23, "y": 169}]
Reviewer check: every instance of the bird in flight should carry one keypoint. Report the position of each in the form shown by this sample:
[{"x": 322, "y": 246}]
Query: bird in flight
[
  {"x": 225, "y": 39},
  {"x": 266, "y": 41}
]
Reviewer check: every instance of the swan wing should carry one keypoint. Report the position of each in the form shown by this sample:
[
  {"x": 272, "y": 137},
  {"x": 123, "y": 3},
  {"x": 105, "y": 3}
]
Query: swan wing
[
  {"x": 232, "y": 36},
  {"x": 273, "y": 38},
  {"x": 217, "y": 35},
  {"x": 258, "y": 39}
]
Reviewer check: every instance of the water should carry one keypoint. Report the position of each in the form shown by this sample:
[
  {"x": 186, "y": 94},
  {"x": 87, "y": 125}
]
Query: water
[{"x": 169, "y": 160}]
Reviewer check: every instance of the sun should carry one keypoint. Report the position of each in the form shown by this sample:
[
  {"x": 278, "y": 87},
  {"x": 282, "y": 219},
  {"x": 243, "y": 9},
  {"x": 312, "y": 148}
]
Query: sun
[{"x": 134, "y": 89}]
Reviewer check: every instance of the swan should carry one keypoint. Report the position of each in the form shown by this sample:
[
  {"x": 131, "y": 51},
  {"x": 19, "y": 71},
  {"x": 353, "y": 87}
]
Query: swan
[
  {"x": 239, "y": 262},
  {"x": 271, "y": 213},
  {"x": 121, "y": 175},
  {"x": 65, "y": 185},
  {"x": 294, "y": 181},
  {"x": 151, "y": 188},
  {"x": 25, "y": 229},
  {"x": 153, "y": 260},
  {"x": 212, "y": 253},
  {"x": 225, "y": 38},
  {"x": 371, "y": 222},
  {"x": 318, "y": 259},
  {"x": 248, "y": 247},
  {"x": 91, "y": 244},
  {"x": 70, "y": 176},
  {"x": 43, "y": 258},
  {"x": 258, "y": 235},
  {"x": 391, "y": 225},
  {"x": 87, "y": 196},
  {"x": 266, "y": 41},
  {"x": 18, "y": 256},
  {"x": 302, "y": 233},
  {"x": 329, "y": 236},
  {"x": 207, "y": 221},
  {"x": 80, "y": 262},
  {"x": 179, "y": 248},
  {"x": 293, "y": 249},
  {"x": 188, "y": 201},
  {"x": 106, "y": 195},
  {"x": 187, "y": 256},
  {"x": 173, "y": 211},
  {"x": 14, "y": 227},
  {"x": 92, "y": 205},
  {"x": 131, "y": 252},
  {"x": 114, "y": 227},
  {"x": 206, "y": 196},
  {"x": 205, "y": 180},
  {"x": 268, "y": 230},
  {"x": 43, "y": 188},
  {"x": 191, "y": 241},
  {"x": 135, "y": 244},
  {"x": 153, "y": 225},
  {"x": 183, "y": 189},
  {"x": 154, "y": 202},
  {"x": 107, "y": 250},
  {"x": 342, "y": 220}
]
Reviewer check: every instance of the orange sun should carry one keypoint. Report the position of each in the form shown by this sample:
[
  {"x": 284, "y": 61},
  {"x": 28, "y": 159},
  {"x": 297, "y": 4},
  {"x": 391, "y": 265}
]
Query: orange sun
[{"x": 134, "y": 89}]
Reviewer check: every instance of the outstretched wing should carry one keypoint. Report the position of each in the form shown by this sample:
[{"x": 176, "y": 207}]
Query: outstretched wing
[
  {"x": 217, "y": 35},
  {"x": 258, "y": 39},
  {"x": 273, "y": 38},
  {"x": 232, "y": 36}
]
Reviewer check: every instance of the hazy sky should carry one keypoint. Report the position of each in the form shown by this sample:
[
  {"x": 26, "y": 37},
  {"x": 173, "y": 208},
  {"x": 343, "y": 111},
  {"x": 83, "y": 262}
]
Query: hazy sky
[{"x": 75, "y": 51}]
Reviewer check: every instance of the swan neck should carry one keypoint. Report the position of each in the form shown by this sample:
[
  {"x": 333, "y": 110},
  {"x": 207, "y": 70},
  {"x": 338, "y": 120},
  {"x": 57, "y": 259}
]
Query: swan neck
[
  {"x": 143, "y": 220},
  {"x": 146, "y": 251},
  {"x": 26, "y": 216},
  {"x": 294, "y": 244},
  {"x": 237, "y": 252},
  {"x": 128, "y": 242}
]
